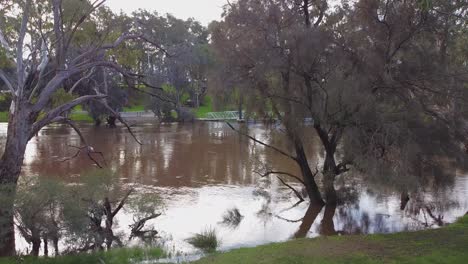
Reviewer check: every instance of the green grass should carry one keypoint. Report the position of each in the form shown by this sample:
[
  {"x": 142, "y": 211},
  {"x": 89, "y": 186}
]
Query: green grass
[
  {"x": 207, "y": 240},
  {"x": 201, "y": 111},
  {"x": 80, "y": 117},
  {"x": 134, "y": 108},
  {"x": 3, "y": 116},
  {"x": 445, "y": 245},
  {"x": 115, "y": 256},
  {"x": 78, "y": 108}
]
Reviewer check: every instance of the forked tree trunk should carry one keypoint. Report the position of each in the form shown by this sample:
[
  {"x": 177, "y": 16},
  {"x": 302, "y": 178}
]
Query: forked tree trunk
[
  {"x": 330, "y": 169},
  {"x": 329, "y": 175},
  {"x": 308, "y": 177},
  {"x": 19, "y": 127}
]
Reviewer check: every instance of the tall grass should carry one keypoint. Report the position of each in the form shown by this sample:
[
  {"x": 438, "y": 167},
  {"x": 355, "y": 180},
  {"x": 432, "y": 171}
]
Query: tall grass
[
  {"x": 207, "y": 240},
  {"x": 232, "y": 218}
]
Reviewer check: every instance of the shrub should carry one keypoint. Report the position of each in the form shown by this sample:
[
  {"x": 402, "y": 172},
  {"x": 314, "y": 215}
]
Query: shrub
[{"x": 207, "y": 240}]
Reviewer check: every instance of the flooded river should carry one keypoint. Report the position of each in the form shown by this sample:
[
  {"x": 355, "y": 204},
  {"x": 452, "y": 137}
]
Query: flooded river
[{"x": 202, "y": 170}]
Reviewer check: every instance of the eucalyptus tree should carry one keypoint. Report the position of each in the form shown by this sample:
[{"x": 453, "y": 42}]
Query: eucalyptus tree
[
  {"x": 42, "y": 52},
  {"x": 377, "y": 89},
  {"x": 183, "y": 73}
]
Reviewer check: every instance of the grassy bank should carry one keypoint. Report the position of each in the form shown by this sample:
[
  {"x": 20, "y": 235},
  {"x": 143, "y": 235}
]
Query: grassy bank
[
  {"x": 201, "y": 111},
  {"x": 79, "y": 117},
  {"x": 116, "y": 256},
  {"x": 83, "y": 117},
  {"x": 445, "y": 245},
  {"x": 3, "y": 116}
]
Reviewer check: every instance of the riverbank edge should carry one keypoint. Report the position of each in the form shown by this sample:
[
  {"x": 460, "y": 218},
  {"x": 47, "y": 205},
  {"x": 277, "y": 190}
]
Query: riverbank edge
[
  {"x": 448, "y": 244},
  {"x": 114, "y": 256}
]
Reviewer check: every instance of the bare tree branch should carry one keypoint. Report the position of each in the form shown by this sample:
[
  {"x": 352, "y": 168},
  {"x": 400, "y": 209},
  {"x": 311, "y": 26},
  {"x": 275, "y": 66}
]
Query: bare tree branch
[
  {"x": 56, "y": 112},
  {"x": 299, "y": 196},
  {"x": 263, "y": 144},
  {"x": 52, "y": 86},
  {"x": 136, "y": 228},
  {"x": 95, "y": 5},
  {"x": 121, "y": 204},
  {"x": 89, "y": 149},
  {"x": 119, "y": 117},
  {"x": 7, "y": 82},
  {"x": 41, "y": 68},
  {"x": 141, "y": 36},
  {"x": 91, "y": 72},
  {"x": 268, "y": 173},
  {"x": 3, "y": 42},
  {"x": 19, "y": 48}
]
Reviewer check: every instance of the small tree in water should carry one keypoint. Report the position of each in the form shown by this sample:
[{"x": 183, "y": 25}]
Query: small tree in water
[
  {"x": 81, "y": 216},
  {"x": 38, "y": 213}
]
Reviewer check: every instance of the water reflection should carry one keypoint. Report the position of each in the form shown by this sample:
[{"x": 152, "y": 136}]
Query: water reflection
[{"x": 202, "y": 170}]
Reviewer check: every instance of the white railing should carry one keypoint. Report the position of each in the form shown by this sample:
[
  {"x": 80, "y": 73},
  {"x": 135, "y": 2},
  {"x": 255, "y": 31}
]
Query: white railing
[{"x": 227, "y": 115}]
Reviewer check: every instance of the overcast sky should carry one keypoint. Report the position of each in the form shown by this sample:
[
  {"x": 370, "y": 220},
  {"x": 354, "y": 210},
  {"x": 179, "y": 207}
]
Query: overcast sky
[{"x": 202, "y": 10}]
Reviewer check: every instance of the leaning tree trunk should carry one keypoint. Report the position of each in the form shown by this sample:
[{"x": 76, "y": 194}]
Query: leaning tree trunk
[
  {"x": 308, "y": 177},
  {"x": 308, "y": 220},
  {"x": 301, "y": 159},
  {"x": 19, "y": 127}
]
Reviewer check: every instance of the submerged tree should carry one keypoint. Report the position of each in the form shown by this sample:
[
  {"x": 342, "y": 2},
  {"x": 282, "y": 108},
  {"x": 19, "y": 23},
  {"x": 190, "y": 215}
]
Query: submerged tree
[
  {"x": 81, "y": 217},
  {"x": 38, "y": 213},
  {"x": 374, "y": 76}
]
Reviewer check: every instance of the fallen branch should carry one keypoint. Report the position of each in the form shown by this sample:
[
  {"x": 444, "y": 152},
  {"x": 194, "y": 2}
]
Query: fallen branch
[
  {"x": 299, "y": 196},
  {"x": 87, "y": 148},
  {"x": 268, "y": 173},
  {"x": 136, "y": 228},
  {"x": 119, "y": 117}
]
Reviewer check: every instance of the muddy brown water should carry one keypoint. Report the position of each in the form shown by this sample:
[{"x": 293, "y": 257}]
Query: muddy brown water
[{"x": 201, "y": 170}]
